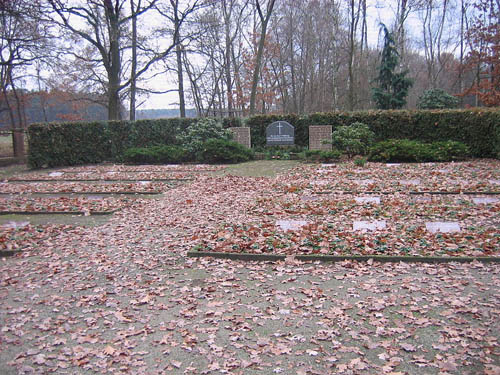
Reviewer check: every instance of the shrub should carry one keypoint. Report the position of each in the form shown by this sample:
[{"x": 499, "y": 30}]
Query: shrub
[
  {"x": 360, "y": 162},
  {"x": 196, "y": 135},
  {"x": 321, "y": 155},
  {"x": 354, "y": 139},
  {"x": 437, "y": 99},
  {"x": 154, "y": 155},
  {"x": 224, "y": 151},
  {"x": 405, "y": 150}
]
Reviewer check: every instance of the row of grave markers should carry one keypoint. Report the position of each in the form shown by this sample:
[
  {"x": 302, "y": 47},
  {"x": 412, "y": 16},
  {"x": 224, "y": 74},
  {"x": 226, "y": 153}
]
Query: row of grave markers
[
  {"x": 283, "y": 133},
  {"x": 430, "y": 226}
]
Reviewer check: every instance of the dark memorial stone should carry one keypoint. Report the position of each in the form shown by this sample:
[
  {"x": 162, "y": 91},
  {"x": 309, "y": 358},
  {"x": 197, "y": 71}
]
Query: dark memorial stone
[{"x": 280, "y": 133}]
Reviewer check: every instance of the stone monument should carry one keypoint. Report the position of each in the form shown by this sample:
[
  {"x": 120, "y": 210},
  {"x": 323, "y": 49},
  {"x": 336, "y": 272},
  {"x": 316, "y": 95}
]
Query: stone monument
[{"x": 280, "y": 133}]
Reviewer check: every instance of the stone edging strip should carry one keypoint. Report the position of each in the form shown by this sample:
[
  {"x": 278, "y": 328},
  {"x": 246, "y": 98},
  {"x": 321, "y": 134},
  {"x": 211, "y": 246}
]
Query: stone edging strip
[
  {"x": 85, "y": 193},
  {"x": 92, "y": 213},
  {"x": 409, "y": 192},
  {"x": 455, "y": 192},
  {"x": 341, "y": 258},
  {"x": 9, "y": 253},
  {"x": 98, "y": 180}
]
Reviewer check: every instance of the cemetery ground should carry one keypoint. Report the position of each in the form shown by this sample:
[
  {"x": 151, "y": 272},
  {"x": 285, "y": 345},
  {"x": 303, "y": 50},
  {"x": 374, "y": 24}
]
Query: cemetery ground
[{"x": 120, "y": 295}]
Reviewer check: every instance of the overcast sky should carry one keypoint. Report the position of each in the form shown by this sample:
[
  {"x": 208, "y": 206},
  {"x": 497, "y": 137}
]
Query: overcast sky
[{"x": 378, "y": 11}]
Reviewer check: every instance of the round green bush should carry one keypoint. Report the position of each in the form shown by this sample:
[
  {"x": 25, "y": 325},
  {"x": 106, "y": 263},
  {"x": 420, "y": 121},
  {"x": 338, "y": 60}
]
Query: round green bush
[
  {"x": 437, "y": 99},
  {"x": 155, "y": 155},
  {"x": 354, "y": 139},
  {"x": 224, "y": 151},
  {"x": 197, "y": 134}
]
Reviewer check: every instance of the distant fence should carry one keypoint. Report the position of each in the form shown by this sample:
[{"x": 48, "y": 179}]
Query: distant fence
[{"x": 7, "y": 132}]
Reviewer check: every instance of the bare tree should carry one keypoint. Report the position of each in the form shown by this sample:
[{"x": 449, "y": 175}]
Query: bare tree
[
  {"x": 264, "y": 20},
  {"x": 23, "y": 41}
]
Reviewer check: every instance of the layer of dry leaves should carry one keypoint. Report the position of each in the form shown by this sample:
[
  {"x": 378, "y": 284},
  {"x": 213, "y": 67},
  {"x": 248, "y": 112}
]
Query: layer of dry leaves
[
  {"x": 122, "y": 297},
  {"x": 63, "y": 204}
]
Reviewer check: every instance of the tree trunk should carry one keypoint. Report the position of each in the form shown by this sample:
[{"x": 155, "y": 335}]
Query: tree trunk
[
  {"x": 17, "y": 132},
  {"x": 114, "y": 67},
  {"x": 178, "y": 52},
  {"x": 351, "y": 58},
  {"x": 133, "y": 80},
  {"x": 229, "y": 83},
  {"x": 260, "y": 51}
]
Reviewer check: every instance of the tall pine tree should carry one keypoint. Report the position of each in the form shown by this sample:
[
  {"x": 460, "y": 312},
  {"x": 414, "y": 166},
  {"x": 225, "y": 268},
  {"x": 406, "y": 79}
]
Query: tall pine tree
[{"x": 392, "y": 86}]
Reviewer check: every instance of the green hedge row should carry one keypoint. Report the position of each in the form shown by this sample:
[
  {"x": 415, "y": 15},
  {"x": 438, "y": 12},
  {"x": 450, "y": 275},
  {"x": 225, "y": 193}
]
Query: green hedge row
[
  {"x": 59, "y": 144},
  {"x": 477, "y": 128}
]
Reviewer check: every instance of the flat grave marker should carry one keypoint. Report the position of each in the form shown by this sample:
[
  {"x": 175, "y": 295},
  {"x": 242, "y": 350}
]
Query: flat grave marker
[
  {"x": 16, "y": 224},
  {"x": 366, "y": 181},
  {"x": 414, "y": 181},
  {"x": 309, "y": 198},
  {"x": 442, "y": 226},
  {"x": 287, "y": 225},
  {"x": 361, "y": 200},
  {"x": 484, "y": 200},
  {"x": 369, "y": 225}
]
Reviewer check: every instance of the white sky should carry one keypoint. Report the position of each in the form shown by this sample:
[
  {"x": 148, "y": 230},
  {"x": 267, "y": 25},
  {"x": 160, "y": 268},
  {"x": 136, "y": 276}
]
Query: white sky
[{"x": 378, "y": 11}]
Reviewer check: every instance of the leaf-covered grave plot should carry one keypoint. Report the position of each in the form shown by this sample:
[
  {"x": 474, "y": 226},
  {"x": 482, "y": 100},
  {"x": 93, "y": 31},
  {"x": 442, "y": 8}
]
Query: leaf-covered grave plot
[
  {"x": 396, "y": 223},
  {"x": 80, "y": 187},
  {"x": 104, "y": 176},
  {"x": 25, "y": 236},
  {"x": 114, "y": 168},
  {"x": 477, "y": 176},
  {"x": 64, "y": 204}
]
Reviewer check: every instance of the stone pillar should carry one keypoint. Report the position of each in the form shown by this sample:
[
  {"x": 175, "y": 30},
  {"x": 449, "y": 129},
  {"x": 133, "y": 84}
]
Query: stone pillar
[
  {"x": 318, "y": 134},
  {"x": 242, "y": 136}
]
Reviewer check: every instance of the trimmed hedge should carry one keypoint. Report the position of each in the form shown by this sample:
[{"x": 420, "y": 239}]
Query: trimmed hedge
[
  {"x": 478, "y": 128},
  {"x": 59, "y": 144},
  {"x": 405, "y": 150}
]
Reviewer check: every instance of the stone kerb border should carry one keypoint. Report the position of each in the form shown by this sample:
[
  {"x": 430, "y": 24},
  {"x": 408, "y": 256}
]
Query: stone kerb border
[
  {"x": 241, "y": 135},
  {"x": 341, "y": 258},
  {"x": 318, "y": 134}
]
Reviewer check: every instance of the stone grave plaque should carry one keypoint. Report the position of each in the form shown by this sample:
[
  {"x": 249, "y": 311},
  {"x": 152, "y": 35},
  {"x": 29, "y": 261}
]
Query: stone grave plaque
[
  {"x": 361, "y": 200},
  {"x": 287, "y": 225},
  {"x": 318, "y": 134},
  {"x": 280, "y": 133},
  {"x": 484, "y": 200},
  {"x": 369, "y": 225},
  {"x": 241, "y": 135},
  {"x": 442, "y": 226},
  {"x": 414, "y": 181}
]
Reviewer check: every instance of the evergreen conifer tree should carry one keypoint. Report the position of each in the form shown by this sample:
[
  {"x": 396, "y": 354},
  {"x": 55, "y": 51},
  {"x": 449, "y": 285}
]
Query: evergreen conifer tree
[{"x": 393, "y": 86}]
